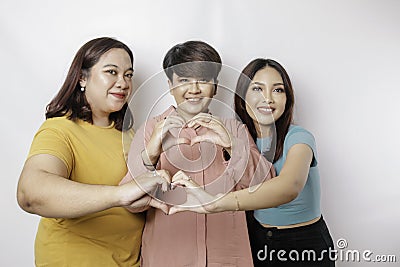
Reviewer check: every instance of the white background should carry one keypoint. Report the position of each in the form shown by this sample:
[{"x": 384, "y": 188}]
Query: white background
[{"x": 343, "y": 58}]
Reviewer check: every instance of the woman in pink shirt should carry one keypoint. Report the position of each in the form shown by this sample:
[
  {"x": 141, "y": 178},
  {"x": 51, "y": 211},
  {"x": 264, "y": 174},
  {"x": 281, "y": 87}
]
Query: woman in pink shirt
[{"x": 219, "y": 154}]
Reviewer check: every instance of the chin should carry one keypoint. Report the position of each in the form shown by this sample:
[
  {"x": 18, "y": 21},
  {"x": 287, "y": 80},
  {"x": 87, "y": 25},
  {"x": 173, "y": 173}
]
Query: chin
[{"x": 115, "y": 109}]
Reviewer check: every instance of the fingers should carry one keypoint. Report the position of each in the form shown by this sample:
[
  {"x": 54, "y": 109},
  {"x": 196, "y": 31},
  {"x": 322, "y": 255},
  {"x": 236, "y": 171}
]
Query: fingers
[
  {"x": 168, "y": 123},
  {"x": 165, "y": 175},
  {"x": 169, "y": 126},
  {"x": 175, "y": 209},
  {"x": 139, "y": 205},
  {"x": 182, "y": 140},
  {"x": 149, "y": 181},
  {"x": 202, "y": 119},
  {"x": 159, "y": 205},
  {"x": 183, "y": 179},
  {"x": 201, "y": 138},
  {"x": 176, "y": 119},
  {"x": 169, "y": 142},
  {"x": 161, "y": 129}
]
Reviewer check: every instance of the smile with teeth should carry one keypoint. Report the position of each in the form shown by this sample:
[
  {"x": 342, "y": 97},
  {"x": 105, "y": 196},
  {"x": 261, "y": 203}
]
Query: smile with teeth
[
  {"x": 264, "y": 109},
  {"x": 193, "y": 100}
]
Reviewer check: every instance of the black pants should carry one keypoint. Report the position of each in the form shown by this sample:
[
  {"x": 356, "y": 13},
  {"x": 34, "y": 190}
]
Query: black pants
[{"x": 302, "y": 246}]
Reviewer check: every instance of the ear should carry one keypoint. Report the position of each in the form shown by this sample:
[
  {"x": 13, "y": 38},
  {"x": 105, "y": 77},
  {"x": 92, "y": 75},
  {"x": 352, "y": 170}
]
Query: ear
[
  {"x": 215, "y": 86},
  {"x": 170, "y": 86},
  {"x": 82, "y": 79}
]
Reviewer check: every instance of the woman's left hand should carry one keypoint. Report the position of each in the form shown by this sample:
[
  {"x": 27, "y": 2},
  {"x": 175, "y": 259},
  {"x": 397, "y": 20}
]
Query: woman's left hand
[
  {"x": 198, "y": 200},
  {"x": 217, "y": 134}
]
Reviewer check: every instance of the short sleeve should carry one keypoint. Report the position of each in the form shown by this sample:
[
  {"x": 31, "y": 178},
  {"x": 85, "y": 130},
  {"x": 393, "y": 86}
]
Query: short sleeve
[
  {"x": 53, "y": 141},
  {"x": 299, "y": 135}
]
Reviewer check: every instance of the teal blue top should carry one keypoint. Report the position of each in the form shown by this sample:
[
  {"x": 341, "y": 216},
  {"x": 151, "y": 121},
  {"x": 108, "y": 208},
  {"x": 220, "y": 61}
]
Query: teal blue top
[{"x": 307, "y": 204}]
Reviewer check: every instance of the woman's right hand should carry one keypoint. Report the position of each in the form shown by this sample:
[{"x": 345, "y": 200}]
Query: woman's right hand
[
  {"x": 161, "y": 139},
  {"x": 139, "y": 192}
]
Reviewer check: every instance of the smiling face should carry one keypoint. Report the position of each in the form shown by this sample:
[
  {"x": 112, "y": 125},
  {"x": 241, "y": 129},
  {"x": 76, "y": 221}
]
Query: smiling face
[
  {"x": 265, "y": 98},
  {"x": 192, "y": 95},
  {"x": 108, "y": 83}
]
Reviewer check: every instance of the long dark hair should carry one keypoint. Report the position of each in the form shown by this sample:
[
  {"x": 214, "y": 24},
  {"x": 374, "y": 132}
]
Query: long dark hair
[
  {"x": 71, "y": 102},
  {"x": 283, "y": 123}
]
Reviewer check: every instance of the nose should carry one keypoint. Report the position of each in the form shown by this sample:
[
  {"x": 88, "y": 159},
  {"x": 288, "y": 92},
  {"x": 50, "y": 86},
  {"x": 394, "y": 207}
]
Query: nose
[
  {"x": 194, "y": 88},
  {"x": 122, "y": 82},
  {"x": 268, "y": 97}
]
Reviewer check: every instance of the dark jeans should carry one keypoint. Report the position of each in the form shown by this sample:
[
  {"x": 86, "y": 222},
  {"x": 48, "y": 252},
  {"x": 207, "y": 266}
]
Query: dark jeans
[{"x": 303, "y": 246}]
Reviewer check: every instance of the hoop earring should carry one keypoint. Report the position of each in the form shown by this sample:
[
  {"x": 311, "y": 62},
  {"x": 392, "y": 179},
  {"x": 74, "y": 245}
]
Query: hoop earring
[{"x": 82, "y": 89}]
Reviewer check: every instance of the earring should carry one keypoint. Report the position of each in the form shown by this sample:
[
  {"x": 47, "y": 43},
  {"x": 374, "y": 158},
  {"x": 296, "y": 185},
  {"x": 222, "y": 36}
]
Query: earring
[{"x": 82, "y": 89}]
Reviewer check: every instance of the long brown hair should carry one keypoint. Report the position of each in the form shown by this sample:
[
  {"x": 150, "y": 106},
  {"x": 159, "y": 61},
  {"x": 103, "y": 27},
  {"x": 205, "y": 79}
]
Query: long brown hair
[
  {"x": 283, "y": 123},
  {"x": 71, "y": 102}
]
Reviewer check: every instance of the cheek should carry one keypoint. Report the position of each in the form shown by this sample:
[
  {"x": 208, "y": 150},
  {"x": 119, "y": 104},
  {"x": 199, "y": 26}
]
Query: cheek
[
  {"x": 250, "y": 111},
  {"x": 283, "y": 103},
  {"x": 210, "y": 90},
  {"x": 251, "y": 101}
]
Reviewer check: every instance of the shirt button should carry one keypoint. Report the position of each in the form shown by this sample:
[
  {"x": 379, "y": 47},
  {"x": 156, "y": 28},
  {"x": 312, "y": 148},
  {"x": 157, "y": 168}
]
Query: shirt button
[{"x": 269, "y": 233}]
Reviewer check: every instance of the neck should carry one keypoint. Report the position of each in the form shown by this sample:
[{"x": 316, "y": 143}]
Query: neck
[
  {"x": 102, "y": 121},
  {"x": 185, "y": 115},
  {"x": 264, "y": 131}
]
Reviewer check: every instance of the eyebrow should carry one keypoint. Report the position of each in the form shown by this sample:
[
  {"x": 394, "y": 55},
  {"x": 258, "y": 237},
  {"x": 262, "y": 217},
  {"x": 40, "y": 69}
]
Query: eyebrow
[
  {"x": 260, "y": 83},
  {"x": 115, "y": 66}
]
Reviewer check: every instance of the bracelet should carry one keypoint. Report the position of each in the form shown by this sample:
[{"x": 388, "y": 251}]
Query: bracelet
[
  {"x": 237, "y": 202},
  {"x": 150, "y": 165}
]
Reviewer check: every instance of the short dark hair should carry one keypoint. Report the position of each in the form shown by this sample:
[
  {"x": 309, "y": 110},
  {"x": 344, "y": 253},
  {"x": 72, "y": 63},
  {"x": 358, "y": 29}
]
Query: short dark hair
[
  {"x": 283, "y": 123},
  {"x": 71, "y": 102},
  {"x": 192, "y": 51}
]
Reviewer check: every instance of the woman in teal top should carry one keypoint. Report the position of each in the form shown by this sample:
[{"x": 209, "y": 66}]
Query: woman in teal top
[{"x": 287, "y": 228}]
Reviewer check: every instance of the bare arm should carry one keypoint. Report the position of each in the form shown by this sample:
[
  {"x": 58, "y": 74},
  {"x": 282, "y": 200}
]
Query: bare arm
[
  {"x": 279, "y": 190},
  {"x": 44, "y": 189},
  {"x": 274, "y": 192}
]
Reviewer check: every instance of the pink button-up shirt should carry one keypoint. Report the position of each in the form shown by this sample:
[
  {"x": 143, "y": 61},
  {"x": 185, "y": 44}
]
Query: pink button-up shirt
[{"x": 188, "y": 238}]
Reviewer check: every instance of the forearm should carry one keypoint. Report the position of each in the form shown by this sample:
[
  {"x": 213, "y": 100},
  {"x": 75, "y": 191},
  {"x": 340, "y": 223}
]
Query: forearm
[
  {"x": 269, "y": 194},
  {"x": 279, "y": 190},
  {"x": 141, "y": 159},
  {"x": 49, "y": 195}
]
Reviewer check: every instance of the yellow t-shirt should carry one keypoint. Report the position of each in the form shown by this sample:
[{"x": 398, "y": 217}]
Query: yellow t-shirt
[{"x": 93, "y": 155}]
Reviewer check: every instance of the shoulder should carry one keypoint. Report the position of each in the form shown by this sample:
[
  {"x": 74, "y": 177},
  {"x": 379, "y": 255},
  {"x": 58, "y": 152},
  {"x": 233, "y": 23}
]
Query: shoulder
[
  {"x": 298, "y": 132},
  {"x": 58, "y": 123},
  {"x": 297, "y": 129},
  {"x": 63, "y": 127},
  {"x": 299, "y": 135}
]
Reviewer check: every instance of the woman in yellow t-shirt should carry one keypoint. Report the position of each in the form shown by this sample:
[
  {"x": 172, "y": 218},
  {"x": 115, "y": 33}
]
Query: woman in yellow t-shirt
[{"x": 76, "y": 161}]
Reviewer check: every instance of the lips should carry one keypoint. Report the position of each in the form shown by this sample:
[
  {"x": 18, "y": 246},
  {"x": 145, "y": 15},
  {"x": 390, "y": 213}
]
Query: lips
[
  {"x": 118, "y": 95},
  {"x": 265, "y": 110},
  {"x": 193, "y": 99}
]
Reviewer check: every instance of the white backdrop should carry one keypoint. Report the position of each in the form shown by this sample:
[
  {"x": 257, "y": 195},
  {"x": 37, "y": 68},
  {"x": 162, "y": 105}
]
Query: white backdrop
[{"x": 343, "y": 58}]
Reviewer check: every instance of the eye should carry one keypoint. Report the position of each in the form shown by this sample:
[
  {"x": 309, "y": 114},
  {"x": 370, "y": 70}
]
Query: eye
[
  {"x": 256, "y": 88},
  {"x": 112, "y": 72},
  {"x": 129, "y": 75},
  {"x": 183, "y": 80},
  {"x": 279, "y": 90},
  {"x": 203, "y": 81}
]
